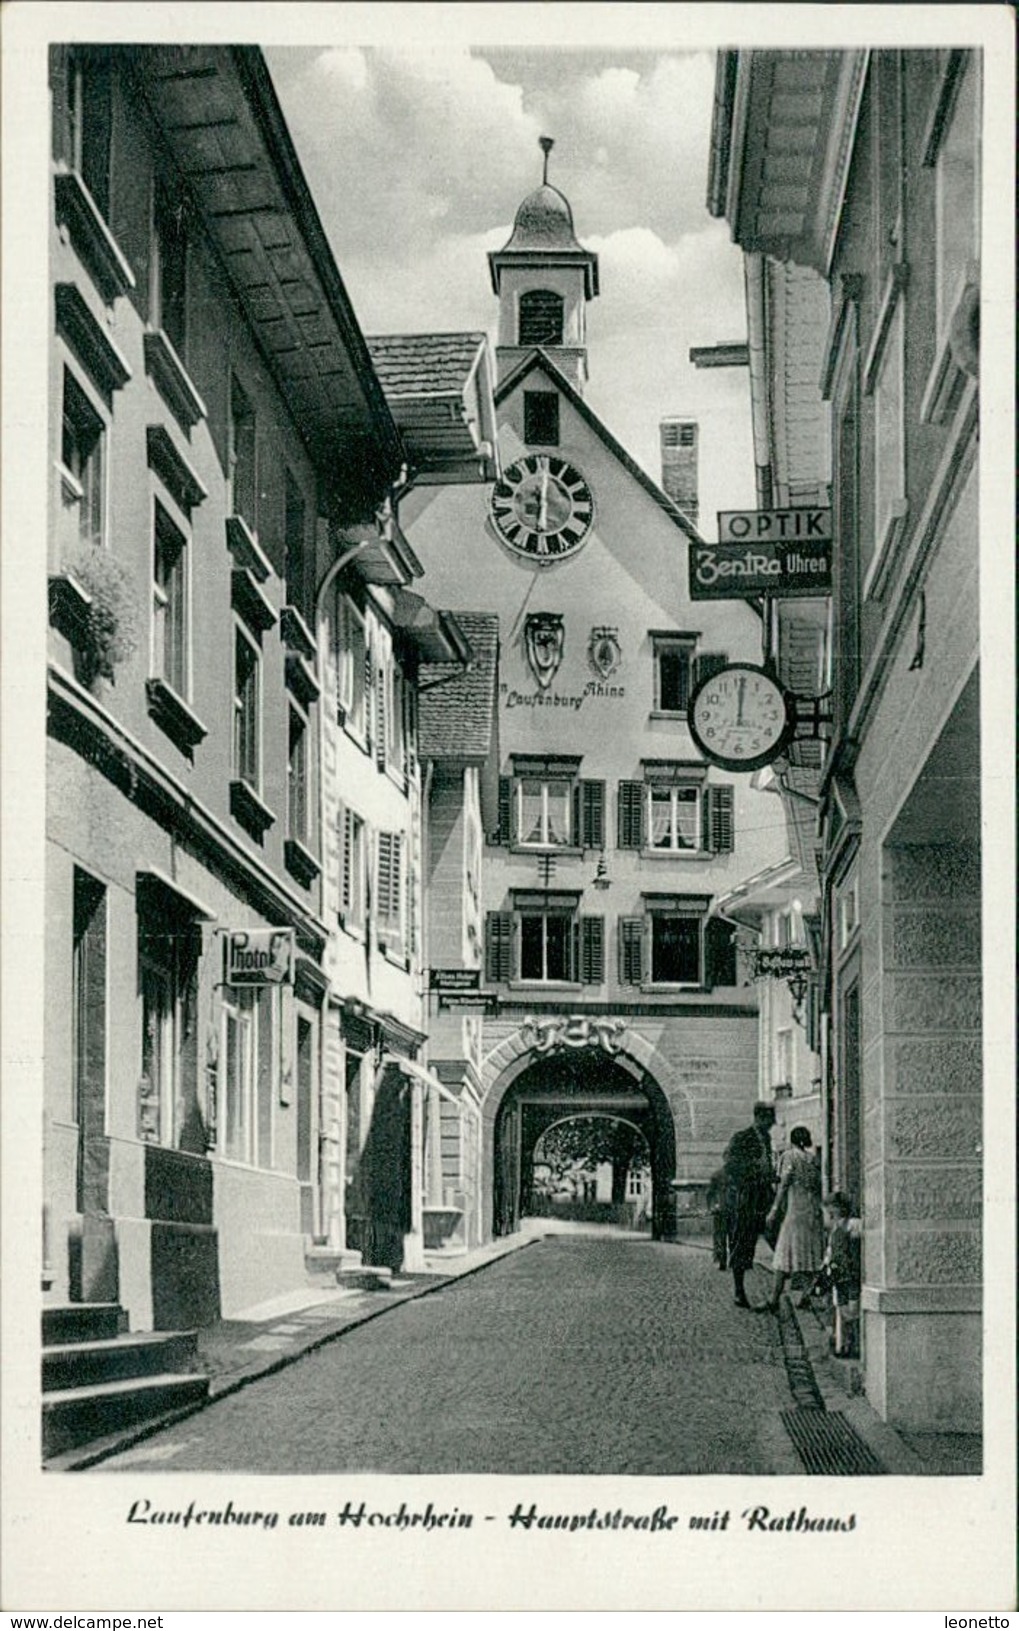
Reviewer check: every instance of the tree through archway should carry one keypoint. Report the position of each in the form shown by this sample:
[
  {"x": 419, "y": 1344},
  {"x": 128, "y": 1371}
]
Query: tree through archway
[{"x": 578, "y": 1146}]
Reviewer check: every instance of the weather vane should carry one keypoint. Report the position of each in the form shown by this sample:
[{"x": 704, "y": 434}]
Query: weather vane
[{"x": 546, "y": 143}]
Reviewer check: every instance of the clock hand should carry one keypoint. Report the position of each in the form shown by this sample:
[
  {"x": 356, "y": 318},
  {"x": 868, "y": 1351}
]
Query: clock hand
[
  {"x": 740, "y": 688},
  {"x": 543, "y": 511}
]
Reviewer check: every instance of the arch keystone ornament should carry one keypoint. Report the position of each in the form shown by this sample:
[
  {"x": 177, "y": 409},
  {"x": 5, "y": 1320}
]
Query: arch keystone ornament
[{"x": 573, "y": 1031}]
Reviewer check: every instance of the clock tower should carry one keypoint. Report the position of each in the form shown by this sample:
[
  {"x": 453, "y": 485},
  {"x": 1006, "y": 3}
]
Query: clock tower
[{"x": 544, "y": 278}]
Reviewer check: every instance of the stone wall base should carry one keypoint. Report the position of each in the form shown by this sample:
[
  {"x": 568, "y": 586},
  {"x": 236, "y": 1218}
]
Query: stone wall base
[{"x": 924, "y": 1370}]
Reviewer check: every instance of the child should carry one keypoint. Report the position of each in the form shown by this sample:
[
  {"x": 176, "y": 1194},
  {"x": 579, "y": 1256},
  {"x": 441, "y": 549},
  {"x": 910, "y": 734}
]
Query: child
[{"x": 842, "y": 1260}]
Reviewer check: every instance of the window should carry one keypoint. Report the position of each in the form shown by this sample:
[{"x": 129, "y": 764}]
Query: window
[
  {"x": 168, "y": 270},
  {"x": 82, "y": 453},
  {"x": 957, "y": 182},
  {"x": 886, "y": 82},
  {"x": 299, "y": 564},
  {"x": 249, "y": 1072},
  {"x": 169, "y": 947},
  {"x": 541, "y": 318},
  {"x": 243, "y": 475},
  {"x": 541, "y": 418},
  {"x": 675, "y": 948},
  {"x": 544, "y": 941},
  {"x": 352, "y": 868},
  {"x": 675, "y": 942},
  {"x": 85, "y": 121},
  {"x": 889, "y": 449},
  {"x": 678, "y": 669},
  {"x": 389, "y": 890},
  {"x": 673, "y": 810},
  {"x": 169, "y": 604},
  {"x": 784, "y": 1057},
  {"x": 297, "y": 776},
  {"x": 551, "y": 808},
  {"x": 247, "y": 708},
  {"x": 351, "y": 666}
]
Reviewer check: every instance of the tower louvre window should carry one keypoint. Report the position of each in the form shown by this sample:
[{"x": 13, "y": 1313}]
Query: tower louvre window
[{"x": 541, "y": 318}]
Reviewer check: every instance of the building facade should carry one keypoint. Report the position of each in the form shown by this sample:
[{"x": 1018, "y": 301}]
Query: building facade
[
  {"x": 611, "y": 981},
  {"x": 852, "y": 181},
  {"x": 217, "y": 429}
]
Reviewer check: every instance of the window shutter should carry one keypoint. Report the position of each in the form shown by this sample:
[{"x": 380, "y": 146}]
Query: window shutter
[
  {"x": 369, "y": 700},
  {"x": 502, "y": 835},
  {"x": 592, "y": 950},
  {"x": 707, "y": 663},
  {"x": 719, "y": 952},
  {"x": 592, "y": 831},
  {"x": 345, "y": 824},
  {"x": 498, "y": 937},
  {"x": 631, "y": 941},
  {"x": 381, "y": 722},
  {"x": 630, "y": 815},
  {"x": 383, "y": 873},
  {"x": 719, "y": 819}
]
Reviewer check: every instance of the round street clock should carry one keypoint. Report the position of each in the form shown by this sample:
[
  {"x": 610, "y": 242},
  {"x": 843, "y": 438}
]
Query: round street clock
[
  {"x": 542, "y": 508},
  {"x": 741, "y": 718}
]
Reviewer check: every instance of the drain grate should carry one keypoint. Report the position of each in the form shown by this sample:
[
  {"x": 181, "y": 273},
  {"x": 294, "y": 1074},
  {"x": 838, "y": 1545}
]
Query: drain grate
[
  {"x": 798, "y": 1369},
  {"x": 826, "y": 1443}
]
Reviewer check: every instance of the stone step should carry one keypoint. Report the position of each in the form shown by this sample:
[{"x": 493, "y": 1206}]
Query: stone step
[
  {"x": 81, "y": 1322},
  {"x": 140, "y": 1353},
  {"x": 365, "y": 1278},
  {"x": 326, "y": 1260},
  {"x": 78, "y": 1415}
]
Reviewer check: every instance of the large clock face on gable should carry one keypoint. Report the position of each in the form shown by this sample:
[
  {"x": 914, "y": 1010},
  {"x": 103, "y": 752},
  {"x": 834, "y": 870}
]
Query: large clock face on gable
[{"x": 542, "y": 507}]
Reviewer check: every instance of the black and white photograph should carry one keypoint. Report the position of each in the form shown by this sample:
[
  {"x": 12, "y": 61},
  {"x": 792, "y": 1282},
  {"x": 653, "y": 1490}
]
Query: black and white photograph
[{"x": 512, "y": 910}]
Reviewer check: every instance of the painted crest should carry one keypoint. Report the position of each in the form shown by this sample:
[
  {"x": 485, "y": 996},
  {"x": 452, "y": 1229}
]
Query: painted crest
[
  {"x": 603, "y": 652},
  {"x": 543, "y": 642}
]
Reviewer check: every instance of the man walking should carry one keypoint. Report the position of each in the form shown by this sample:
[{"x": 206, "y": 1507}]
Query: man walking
[{"x": 749, "y": 1185}]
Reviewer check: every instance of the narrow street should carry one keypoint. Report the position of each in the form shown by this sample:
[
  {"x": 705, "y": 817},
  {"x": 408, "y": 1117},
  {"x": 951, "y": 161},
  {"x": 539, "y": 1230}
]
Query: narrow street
[{"x": 577, "y": 1355}]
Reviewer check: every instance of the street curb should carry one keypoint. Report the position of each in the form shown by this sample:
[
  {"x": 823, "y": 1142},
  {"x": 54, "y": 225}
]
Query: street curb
[{"x": 92, "y": 1456}]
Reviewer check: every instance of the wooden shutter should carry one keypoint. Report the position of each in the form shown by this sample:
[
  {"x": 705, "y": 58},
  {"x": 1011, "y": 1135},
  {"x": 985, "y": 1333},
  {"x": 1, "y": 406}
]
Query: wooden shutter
[
  {"x": 498, "y": 943},
  {"x": 369, "y": 699},
  {"x": 719, "y": 952},
  {"x": 381, "y": 722},
  {"x": 388, "y": 879},
  {"x": 630, "y": 815},
  {"x": 502, "y": 833},
  {"x": 345, "y": 828},
  {"x": 718, "y": 819},
  {"x": 592, "y": 950},
  {"x": 707, "y": 663},
  {"x": 631, "y": 945},
  {"x": 592, "y": 822}
]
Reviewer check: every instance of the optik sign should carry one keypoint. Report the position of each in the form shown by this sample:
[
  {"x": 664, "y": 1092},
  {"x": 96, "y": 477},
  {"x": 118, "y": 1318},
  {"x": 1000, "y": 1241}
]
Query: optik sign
[
  {"x": 764, "y": 552},
  {"x": 258, "y": 956}
]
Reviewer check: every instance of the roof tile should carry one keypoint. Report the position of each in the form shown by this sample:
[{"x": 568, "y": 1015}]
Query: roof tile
[{"x": 456, "y": 708}]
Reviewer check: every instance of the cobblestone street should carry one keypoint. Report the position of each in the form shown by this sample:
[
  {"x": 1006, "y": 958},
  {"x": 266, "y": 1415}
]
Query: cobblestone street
[{"x": 577, "y": 1355}]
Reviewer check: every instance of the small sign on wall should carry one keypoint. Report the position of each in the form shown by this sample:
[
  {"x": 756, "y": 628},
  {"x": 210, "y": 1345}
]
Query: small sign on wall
[{"x": 258, "y": 956}]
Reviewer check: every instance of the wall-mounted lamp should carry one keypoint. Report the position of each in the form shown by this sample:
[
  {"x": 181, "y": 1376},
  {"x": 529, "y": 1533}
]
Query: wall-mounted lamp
[
  {"x": 797, "y": 984},
  {"x": 601, "y": 873}
]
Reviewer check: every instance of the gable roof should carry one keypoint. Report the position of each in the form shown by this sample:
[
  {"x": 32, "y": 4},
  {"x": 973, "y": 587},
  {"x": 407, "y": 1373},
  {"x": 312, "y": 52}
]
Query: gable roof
[
  {"x": 414, "y": 365},
  {"x": 457, "y": 705},
  {"x": 439, "y": 391},
  {"x": 540, "y": 359}
]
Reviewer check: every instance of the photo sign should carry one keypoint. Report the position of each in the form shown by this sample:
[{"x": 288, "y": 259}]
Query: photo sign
[
  {"x": 764, "y": 552},
  {"x": 258, "y": 956}
]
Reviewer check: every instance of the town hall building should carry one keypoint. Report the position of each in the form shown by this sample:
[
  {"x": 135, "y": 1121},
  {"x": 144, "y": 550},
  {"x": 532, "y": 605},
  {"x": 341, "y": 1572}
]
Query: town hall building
[{"x": 610, "y": 983}]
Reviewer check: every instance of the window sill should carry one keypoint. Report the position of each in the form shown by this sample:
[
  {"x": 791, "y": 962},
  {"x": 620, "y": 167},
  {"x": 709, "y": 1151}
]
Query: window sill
[
  {"x": 300, "y": 862},
  {"x": 359, "y": 740},
  {"x": 681, "y": 854},
  {"x": 251, "y": 601},
  {"x": 548, "y": 985},
  {"x": 297, "y": 636},
  {"x": 69, "y": 607},
  {"x": 300, "y": 679},
  {"x": 551, "y": 850},
  {"x": 107, "y": 367},
  {"x": 71, "y": 490},
  {"x": 245, "y": 548},
  {"x": 353, "y": 927},
  {"x": 247, "y": 808},
  {"x": 172, "y": 379},
  {"x": 172, "y": 714},
  {"x": 397, "y": 958},
  {"x": 665, "y": 988},
  {"x": 92, "y": 238}
]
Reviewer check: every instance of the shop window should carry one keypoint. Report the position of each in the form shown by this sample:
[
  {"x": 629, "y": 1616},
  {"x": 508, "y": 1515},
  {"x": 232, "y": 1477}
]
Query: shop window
[
  {"x": 243, "y": 450},
  {"x": 170, "y": 604},
  {"x": 541, "y": 318},
  {"x": 351, "y": 667},
  {"x": 249, "y": 1073},
  {"x": 678, "y": 670},
  {"x": 541, "y": 419},
  {"x": 247, "y": 709},
  {"x": 83, "y": 455},
  {"x": 168, "y": 269},
  {"x": 352, "y": 868}
]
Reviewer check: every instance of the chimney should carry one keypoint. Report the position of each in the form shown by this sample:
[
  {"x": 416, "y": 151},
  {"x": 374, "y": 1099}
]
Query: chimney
[{"x": 678, "y": 439}]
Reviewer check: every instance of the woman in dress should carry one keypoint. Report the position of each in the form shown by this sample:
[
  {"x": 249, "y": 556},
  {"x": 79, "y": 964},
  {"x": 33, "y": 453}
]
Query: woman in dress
[{"x": 799, "y": 1249}]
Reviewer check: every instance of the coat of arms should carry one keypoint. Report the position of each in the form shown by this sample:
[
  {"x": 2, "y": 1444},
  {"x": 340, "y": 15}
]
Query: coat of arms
[
  {"x": 603, "y": 652},
  {"x": 543, "y": 642}
]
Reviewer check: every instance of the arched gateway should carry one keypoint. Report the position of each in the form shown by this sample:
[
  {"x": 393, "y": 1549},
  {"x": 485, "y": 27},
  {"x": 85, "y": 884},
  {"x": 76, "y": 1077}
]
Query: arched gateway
[{"x": 555, "y": 1067}]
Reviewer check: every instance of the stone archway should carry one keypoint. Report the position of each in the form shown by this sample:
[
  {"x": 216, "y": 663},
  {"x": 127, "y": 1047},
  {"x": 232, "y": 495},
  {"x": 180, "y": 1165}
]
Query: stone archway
[{"x": 606, "y": 1062}]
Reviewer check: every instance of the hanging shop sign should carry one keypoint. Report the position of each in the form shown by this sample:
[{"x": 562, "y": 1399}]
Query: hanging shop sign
[
  {"x": 258, "y": 956},
  {"x": 747, "y": 571},
  {"x": 780, "y": 963},
  {"x": 454, "y": 979},
  {"x": 801, "y": 525}
]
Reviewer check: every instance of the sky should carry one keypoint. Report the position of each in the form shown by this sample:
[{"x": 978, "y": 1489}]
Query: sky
[{"x": 418, "y": 158}]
